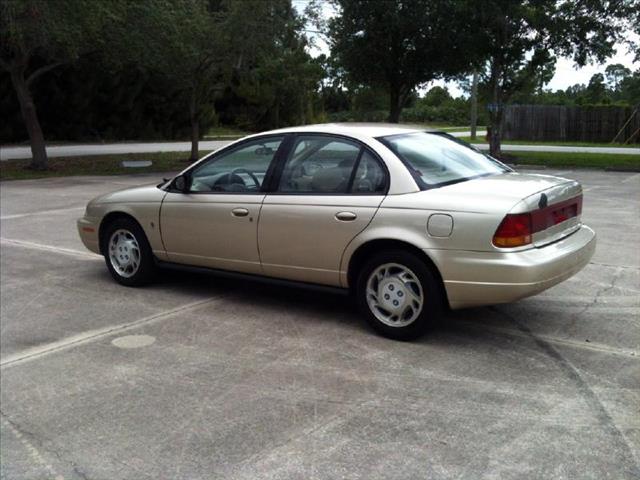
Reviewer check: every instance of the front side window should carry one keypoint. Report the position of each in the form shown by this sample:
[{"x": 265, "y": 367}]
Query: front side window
[
  {"x": 319, "y": 164},
  {"x": 435, "y": 160},
  {"x": 241, "y": 170}
]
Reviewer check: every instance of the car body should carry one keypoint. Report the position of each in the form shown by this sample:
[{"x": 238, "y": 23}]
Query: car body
[{"x": 315, "y": 203}]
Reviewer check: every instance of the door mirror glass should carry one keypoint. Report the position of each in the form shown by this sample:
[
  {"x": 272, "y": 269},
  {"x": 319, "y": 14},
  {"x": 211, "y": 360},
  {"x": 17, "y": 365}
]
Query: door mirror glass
[{"x": 182, "y": 183}]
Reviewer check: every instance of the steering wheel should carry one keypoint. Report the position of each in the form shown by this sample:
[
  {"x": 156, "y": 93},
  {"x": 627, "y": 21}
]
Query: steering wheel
[{"x": 248, "y": 172}]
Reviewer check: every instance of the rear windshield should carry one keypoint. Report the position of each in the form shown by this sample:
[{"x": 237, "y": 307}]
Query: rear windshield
[{"x": 437, "y": 159}]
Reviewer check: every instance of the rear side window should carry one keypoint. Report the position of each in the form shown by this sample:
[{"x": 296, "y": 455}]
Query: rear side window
[
  {"x": 319, "y": 164},
  {"x": 370, "y": 177},
  {"x": 324, "y": 164}
]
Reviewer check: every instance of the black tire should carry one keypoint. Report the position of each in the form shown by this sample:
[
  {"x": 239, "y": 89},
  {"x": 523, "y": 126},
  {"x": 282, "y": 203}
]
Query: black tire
[
  {"x": 146, "y": 268},
  {"x": 432, "y": 299}
]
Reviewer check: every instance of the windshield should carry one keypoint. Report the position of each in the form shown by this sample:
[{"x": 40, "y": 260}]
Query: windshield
[{"x": 435, "y": 159}]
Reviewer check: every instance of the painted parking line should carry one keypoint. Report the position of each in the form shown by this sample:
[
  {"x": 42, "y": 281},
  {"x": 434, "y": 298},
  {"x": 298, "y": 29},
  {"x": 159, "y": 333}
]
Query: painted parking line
[
  {"x": 593, "y": 346},
  {"x": 50, "y": 248},
  {"x": 41, "y": 212},
  {"x": 631, "y": 178},
  {"x": 36, "y": 456},
  {"x": 94, "y": 335}
]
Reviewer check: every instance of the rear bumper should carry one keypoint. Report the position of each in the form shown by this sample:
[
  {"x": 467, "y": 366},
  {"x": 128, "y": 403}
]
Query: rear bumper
[
  {"x": 88, "y": 229},
  {"x": 486, "y": 278}
]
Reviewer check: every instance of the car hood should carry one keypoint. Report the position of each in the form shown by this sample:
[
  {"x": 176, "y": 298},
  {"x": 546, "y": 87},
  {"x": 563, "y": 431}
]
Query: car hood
[
  {"x": 492, "y": 194},
  {"x": 143, "y": 193}
]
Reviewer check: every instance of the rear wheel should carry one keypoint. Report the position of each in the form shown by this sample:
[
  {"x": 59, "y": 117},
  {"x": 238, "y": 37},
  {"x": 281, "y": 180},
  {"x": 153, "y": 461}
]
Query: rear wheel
[
  {"x": 127, "y": 253},
  {"x": 399, "y": 295}
]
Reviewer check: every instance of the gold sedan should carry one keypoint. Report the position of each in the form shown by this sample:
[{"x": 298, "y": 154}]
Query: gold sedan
[{"x": 412, "y": 222}]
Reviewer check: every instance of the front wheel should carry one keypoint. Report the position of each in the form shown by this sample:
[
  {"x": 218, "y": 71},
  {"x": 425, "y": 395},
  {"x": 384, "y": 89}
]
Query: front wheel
[
  {"x": 399, "y": 295},
  {"x": 127, "y": 253}
]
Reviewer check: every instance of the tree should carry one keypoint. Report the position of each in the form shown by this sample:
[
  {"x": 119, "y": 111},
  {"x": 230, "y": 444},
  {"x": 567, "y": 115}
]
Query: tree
[
  {"x": 39, "y": 36},
  {"x": 436, "y": 96},
  {"x": 596, "y": 91},
  {"x": 630, "y": 89},
  {"x": 275, "y": 74},
  {"x": 615, "y": 74},
  {"x": 398, "y": 45},
  {"x": 522, "y": 39},
  {"x": 182, "y": 41}
]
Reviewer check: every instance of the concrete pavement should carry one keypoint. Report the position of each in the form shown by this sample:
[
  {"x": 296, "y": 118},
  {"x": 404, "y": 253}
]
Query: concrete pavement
[
  {"x": 22, "y": 152},
  {"x": 196, "y": 377}
]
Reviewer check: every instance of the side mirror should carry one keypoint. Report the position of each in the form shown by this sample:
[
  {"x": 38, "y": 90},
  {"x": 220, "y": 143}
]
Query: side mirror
[{"x": 182, "y": 183}]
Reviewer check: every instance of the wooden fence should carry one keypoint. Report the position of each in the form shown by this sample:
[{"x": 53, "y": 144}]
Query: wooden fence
[{"x": 573, "y": 124}]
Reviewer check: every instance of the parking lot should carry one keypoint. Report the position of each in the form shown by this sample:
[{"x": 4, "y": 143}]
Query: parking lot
[{"x": 198, "y": 377}]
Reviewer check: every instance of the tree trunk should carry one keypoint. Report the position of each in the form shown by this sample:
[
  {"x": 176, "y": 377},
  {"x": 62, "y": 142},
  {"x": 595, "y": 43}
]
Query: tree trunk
[
  {"x": 495, "y": 134},
  {"x": 395, "y": 104},
  {"x": 495, "y": 113},
  {"x": 39, "y": 159},
  {"x": 195, "y": 128}
]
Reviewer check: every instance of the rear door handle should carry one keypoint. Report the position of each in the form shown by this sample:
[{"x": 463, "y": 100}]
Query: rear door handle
[
  {"x": 239, "y": 212},
  {"x": 346, "y": 216}
]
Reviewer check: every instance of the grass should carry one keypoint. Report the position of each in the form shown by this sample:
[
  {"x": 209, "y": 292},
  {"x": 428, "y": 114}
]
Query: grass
[
  {"x": 173, "y": 162},
  {"x": 226, "y": 133},
  {"x": 481, "y": 139},
  {"x": 457, "y": 129},
  {"x": 96, "y": 165},
  {"x": 580, "y": 160},
  {"x": 446, "y": 128}
]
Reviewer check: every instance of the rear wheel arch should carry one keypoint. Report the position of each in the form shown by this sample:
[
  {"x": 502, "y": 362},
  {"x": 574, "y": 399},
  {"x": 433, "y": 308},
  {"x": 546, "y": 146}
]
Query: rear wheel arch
[{"x": 363, "y": 252}]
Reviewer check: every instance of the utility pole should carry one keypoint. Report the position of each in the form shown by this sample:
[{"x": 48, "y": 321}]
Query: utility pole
[{"x": 474, "y": 105}]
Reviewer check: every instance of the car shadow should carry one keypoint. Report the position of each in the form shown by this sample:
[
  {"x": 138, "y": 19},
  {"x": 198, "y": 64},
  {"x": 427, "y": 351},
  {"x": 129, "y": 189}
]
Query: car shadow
[{"x": 309, "y": 304}]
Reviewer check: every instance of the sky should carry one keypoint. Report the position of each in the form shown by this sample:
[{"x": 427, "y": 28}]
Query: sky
[{"x": 567, "y": 73}]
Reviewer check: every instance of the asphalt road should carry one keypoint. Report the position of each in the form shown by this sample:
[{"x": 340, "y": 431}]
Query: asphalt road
[
  {"x": 13, "y": 152},
  {"x": 201, "y": 378}
]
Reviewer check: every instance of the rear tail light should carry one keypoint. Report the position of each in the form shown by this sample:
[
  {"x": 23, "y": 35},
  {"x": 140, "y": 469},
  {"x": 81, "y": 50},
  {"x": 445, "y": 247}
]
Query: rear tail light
[{"x": 514, "y": 231}]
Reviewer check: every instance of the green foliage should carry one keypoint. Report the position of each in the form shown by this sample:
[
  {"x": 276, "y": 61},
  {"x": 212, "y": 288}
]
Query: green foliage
[
  {"x": 277, "y": 80},
  {"x": 438, "y": 106},
  {"x": 96, "y": 165},
  {"x": 88, "y": 101},
  {"x": 397, "y": 45},
  {"x": 615, "y": 74},
  {"x": 59, "y": 31},
  {"x": 436, "y": 97},
  {"x": 623, "y": 90},
  {"x": 169, "y": 62},
  {"x": 521, "y": 39},
  {"x": 580, "y": 160}
]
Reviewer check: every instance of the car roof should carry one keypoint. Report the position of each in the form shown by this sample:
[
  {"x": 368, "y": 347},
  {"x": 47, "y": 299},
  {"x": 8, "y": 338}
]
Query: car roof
[{"x": 356, "y": 129}]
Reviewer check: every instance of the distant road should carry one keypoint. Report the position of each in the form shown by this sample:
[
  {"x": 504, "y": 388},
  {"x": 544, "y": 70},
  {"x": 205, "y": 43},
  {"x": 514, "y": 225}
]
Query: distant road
[
  {"x": 9, "y": 153},
  {"x": 557, "y": 148}
]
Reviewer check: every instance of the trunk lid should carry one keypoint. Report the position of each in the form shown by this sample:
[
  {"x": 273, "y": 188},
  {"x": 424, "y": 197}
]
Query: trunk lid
[
  {"x": 555, "y": 212},
  {"x": 554, "y": 204}
]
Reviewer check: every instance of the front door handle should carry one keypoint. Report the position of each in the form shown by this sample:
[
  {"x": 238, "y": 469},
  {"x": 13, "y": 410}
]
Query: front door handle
[
  {"x": 346, "y": 216},
  {"x": 239, "y": 212}
]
